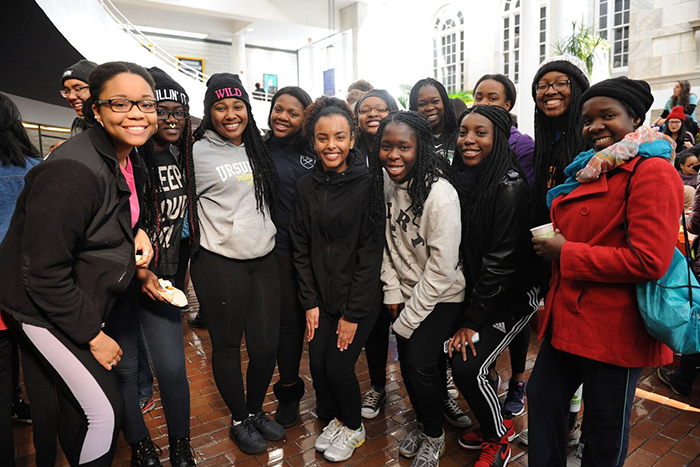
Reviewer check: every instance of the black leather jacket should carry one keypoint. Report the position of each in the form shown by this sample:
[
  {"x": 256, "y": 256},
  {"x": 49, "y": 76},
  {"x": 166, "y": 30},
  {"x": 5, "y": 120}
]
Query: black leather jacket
[
  {"x": 500, "y": 271},
  {"x": 69, "y": 251},
  {"x": 337, "y": 252}
]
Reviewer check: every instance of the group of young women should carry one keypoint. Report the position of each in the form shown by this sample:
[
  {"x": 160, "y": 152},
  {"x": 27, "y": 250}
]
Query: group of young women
[{"x": 334, "y": 228}]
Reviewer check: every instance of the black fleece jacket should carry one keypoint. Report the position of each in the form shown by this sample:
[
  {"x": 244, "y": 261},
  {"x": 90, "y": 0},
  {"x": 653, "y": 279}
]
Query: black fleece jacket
[
  {"x": 337, "y": 251},
  {"x": 69, "y": 251}
]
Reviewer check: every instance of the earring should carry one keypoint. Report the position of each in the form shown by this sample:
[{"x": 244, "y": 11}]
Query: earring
[{"x": 156, "y": 128}]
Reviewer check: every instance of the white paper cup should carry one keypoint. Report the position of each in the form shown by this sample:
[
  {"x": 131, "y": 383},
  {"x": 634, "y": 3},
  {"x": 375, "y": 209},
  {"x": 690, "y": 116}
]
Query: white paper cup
[{"x": 543, "y": 231}]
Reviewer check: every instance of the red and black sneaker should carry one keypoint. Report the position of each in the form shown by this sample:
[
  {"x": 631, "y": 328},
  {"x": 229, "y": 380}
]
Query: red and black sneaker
[
  {"x": 494, "y": 453},
  {"x": 474, "y": 439}
]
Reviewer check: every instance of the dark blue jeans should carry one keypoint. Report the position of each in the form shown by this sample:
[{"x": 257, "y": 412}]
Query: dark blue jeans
[
  {"x": 608, "y": 394},
  {"x": 161, "y": 325}
]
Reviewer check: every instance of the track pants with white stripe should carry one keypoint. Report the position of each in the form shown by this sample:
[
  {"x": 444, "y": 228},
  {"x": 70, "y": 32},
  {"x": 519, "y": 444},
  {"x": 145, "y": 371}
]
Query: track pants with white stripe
[
  {"x": 90, "y": 403},
  {"x": 470, "y": 375}
]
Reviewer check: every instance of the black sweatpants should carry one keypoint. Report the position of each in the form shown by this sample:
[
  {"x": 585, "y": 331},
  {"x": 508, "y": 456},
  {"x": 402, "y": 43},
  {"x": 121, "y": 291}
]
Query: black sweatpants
[
  {"x": 90, "y": 405},
  {"x": 240, "y": 296},
  {"x": 292, "y": 322},
  {"x": 335, "y": 382},
  {"x": 419, "y": 357},
  {"x": 608, "y": 395},
  {"x": 470, "y": 375}
]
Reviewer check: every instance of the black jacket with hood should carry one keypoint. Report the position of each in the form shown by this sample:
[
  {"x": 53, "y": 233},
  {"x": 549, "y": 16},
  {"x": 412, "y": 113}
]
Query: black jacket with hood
[
  {"x": 69, "y": 251},
  {"x": 337, "y": 251}
]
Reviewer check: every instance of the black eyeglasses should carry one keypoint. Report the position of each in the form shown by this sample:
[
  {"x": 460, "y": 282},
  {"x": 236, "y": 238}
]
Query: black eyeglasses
[
  {"x": 79, "y": 92},
  {"x": 122, "y": 106},
  {"x": 177, "y": 114},
  {"x": 558, "y": 86},
  {"x": 378, "y": 109}
]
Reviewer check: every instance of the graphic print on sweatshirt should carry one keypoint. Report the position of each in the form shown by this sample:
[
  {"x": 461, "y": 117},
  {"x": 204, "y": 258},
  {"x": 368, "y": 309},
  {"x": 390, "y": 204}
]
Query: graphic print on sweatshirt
[
  {"x": 240, "y": 170},
  {"x": 403, "y": 221},
  {"x": 173, "y": 200}
]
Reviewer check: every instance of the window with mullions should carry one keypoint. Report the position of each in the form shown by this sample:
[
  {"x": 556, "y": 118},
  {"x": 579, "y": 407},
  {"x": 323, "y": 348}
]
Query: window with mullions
[
  {"x": 448, "y": 48},
  {"x": 511, "y": 37},
  {"x": 613, "y": 26}
]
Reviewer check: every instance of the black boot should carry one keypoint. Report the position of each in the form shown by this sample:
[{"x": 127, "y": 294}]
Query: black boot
[
  {"x": 181, "y": 452},
  {"x": 288, "y": 397},
  {"x": 197, "y": 322},
  {"x": 143, "y": 454}
]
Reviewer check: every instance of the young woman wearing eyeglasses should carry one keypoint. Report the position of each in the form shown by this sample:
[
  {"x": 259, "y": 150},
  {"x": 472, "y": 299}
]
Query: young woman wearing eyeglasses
[
  {"x": 169, "y": 190},
  {"x": 70, "y": 253}
]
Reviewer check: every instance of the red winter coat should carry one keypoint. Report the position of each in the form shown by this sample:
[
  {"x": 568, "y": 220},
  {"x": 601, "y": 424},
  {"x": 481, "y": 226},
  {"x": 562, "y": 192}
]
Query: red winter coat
[{"x": 591, "y": 309}]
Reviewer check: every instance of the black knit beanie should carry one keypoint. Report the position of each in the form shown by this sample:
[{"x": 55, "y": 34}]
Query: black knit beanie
[
  {"x": 499, "y": 116},
  {"x": 224, "y": 85},
  {"x": 167, "y": 89},
  {"x": 635, "y": 93},
  {"x": 383, "y": 95},
  {"x": 80, "y": 70},
  {"x": 572, "y": 66}
]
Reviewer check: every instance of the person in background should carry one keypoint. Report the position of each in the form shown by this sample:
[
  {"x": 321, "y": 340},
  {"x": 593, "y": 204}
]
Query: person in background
[
  {"x": 677, "y": 129},
  {"x": 683, "y": 97},
  {"x": 592, "y": 331},
  {"x": 68, "y": 255},
  {"x": 370, "y": 110},
  {"x": 75, "y": 89},
  {"x": 556, "y": 90},
  {"x": 293, "y": 157},
  {"x": 356, "y": 90},
  {"x": 458, "y": 105},
  {"x": 17, "y": 156},
  {"x": 429, "y": 97}
]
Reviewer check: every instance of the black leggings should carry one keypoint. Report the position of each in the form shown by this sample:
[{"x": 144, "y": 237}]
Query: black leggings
[
  {"x": 377, "y": 349},
  {"x": 335, "y": 382},
  {"x": 292, "y": 322},
  {"x": 240, "y": 296},
  {"x": 420, "y": 357},
  {"x": 90, "y": 405}
]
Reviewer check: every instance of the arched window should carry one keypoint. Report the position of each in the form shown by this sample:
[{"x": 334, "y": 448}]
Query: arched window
[
  {"x": 614, "y": 26},
  {"x": 448, "y": 48},
  {"x": 510, "y": 53}
]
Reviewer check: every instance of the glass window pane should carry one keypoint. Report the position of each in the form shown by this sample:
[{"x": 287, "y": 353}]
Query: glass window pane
[{"x": 603, "y": 23}]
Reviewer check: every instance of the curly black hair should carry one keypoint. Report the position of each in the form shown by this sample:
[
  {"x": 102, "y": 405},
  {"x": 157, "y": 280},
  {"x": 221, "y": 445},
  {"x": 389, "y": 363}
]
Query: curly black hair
[
  {"x": 478, "y": 209},
  {"x": 428, "y": 169},
  {"x": 265, "y": 176},
  {"x": 322, "y": 107},
  {"x": 154, "y": 190}
]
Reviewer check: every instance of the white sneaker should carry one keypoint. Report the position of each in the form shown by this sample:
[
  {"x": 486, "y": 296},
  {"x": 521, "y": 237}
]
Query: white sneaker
[
  {"x": 451, "y": 386},
  {"x": 344, "y": 444},
  {"x": 324, "y": 439}
]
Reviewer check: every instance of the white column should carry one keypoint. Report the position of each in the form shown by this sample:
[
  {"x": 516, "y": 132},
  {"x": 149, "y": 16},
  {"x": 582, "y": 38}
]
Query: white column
[
  {"x": 529, "y": 62},
  {"x": 239, "y": 62}
]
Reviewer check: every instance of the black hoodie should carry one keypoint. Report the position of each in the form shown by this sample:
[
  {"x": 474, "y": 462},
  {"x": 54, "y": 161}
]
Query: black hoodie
[{"x": 337, "y": 251}]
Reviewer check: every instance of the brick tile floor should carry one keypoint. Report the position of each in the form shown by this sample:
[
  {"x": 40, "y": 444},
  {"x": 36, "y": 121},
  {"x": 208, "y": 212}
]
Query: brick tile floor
[{"x": 665, "y": 427}]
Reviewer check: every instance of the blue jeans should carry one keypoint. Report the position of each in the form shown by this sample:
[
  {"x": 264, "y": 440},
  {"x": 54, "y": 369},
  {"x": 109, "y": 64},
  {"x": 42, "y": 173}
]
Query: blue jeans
[
  {"x": 161, "y": 325},
  {"x": 145, "y": 383}
]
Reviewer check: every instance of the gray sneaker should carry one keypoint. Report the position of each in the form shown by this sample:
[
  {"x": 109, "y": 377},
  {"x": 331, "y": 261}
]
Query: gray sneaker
[
  {"x": 430, "y": 451},
  {"x": 410, "y": 444},
  {"x": 575, "y": 456},
  {"x": 454, "y": 415}
]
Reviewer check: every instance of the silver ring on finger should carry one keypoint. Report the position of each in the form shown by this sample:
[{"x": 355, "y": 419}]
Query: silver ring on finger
[{"x": 113, "y": 363}]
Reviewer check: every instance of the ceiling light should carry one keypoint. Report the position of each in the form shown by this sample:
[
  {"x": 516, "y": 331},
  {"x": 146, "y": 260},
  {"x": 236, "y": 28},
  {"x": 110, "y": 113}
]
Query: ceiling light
[
  {"x": 171, "y": 32},
  {"x": 250, "y": 30}
]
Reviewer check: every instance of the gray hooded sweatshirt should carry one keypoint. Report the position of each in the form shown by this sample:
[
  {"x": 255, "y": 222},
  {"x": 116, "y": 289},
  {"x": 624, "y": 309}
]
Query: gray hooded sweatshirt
[{"x": 230, "y": 222}]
